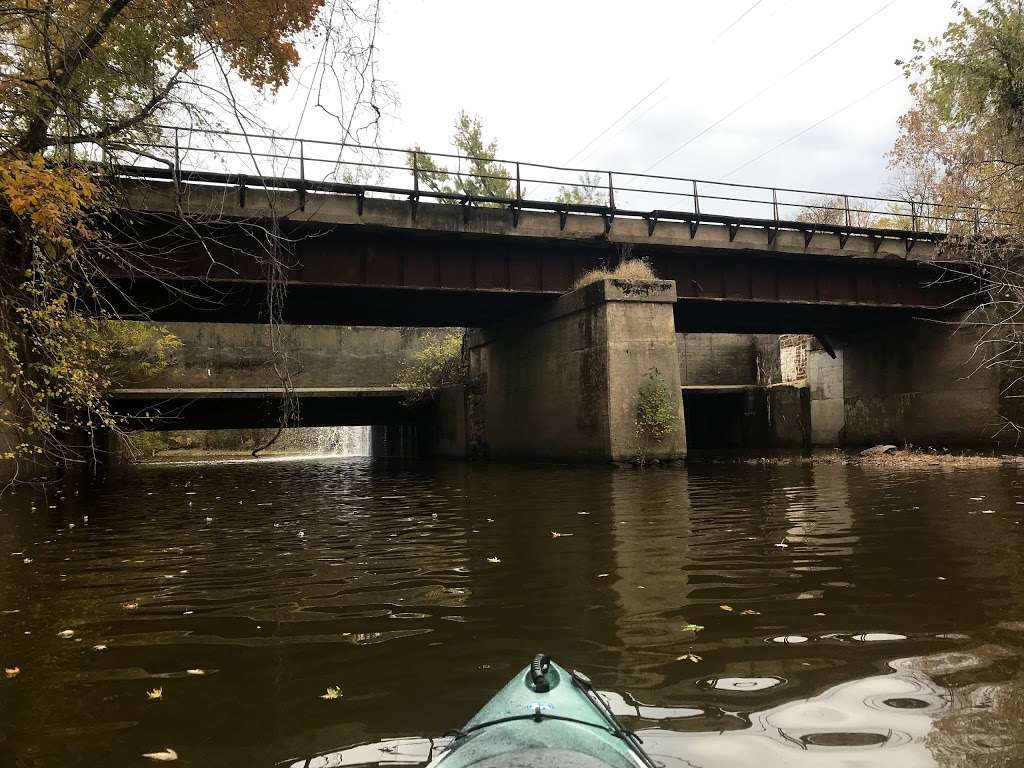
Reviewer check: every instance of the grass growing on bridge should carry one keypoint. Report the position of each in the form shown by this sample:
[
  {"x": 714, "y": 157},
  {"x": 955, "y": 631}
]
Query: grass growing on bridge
[{"x": 628, "y": 269}]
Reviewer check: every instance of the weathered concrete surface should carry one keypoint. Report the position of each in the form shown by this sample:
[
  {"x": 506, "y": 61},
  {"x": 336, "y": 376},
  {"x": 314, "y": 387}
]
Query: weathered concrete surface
[
  {"x": 207, "y": 200},
  {"x": 707, "y": 359},
  {"x": 448, "y": 417},
  {"x": 240, "y": 356},
  {"x": 563, "y": 383},
  {"x": 914, "y": 383}
]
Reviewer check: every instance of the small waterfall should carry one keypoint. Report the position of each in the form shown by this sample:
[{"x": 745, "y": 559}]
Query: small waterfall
[{"x": 341, "y": 441}]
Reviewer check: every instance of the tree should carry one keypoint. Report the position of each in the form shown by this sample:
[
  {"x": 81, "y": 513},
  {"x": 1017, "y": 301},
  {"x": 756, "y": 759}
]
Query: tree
[
  {"x": 482, "y": 175},
  {"x": 591, "y": 189},
  {"x": 84, "y": 80},
  {"x": 962, "y": 142},
  {"x": 962, "y": 145}
]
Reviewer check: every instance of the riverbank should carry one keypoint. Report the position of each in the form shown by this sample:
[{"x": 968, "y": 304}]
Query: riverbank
[{"x": 886, "y": 456}]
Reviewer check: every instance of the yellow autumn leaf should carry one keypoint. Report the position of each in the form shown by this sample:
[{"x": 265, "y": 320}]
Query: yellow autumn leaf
[
  {"x": 165, "y": 755},
  {"x": 726, "y": 607},
  {"x": 332, "y": 692},
  {"x": 689, "y": 657},
  {"x": 12, "y": 672},
  {"x": 155, "y": 693},
  {"x": 493, "y": 559},
  {"x": 66, "y": 633}
]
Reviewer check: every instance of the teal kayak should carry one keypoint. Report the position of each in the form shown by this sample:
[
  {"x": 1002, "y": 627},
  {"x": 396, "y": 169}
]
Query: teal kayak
[{"x": 546, "y": 717}]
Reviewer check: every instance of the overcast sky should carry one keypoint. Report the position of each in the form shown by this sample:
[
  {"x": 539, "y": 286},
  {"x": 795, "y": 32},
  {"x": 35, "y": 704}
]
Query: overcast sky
[{"x": 548, "y": 76}]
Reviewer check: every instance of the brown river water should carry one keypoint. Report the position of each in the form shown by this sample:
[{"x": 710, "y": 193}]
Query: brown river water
[{"x": 851, "y": 616}]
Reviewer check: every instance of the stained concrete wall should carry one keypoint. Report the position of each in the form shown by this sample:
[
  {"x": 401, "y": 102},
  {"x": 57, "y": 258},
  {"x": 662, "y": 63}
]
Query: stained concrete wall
[
  {"x": 707, "y": 359},
  {"x": 229, "y": 355},
  {"x": 563, "y": 382},
  {"x": 913, "y": 383},
  {"x": 448, "y": 417}
]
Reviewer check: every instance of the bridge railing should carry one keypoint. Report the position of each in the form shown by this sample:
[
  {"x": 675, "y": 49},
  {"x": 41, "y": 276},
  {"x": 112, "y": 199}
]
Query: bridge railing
[{"x": 315, "y": 165}]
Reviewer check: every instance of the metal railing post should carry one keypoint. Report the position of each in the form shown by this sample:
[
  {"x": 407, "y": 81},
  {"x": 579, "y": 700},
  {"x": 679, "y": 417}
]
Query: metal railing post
[
  {"x": 611, "y": 191},
  {"x": 302, "y": 175},
  {"x": 846, "y": 209},
  {"x": 415, "y": 173},
  {"x": 519, "y": 191},
  {"x": 775, "y": 205},
  {"x": 696, "y": 199},
  {"x": 177, "y": 160},
  {"x": 913, "y": 216}
]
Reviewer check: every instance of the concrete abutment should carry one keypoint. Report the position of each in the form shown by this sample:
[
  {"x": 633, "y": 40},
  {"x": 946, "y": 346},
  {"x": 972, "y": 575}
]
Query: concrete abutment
[{"x": 917, "y": 383}]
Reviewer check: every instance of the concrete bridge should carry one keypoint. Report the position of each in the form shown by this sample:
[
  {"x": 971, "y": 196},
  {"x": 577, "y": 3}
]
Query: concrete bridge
[{"x": 553, "y": 372}]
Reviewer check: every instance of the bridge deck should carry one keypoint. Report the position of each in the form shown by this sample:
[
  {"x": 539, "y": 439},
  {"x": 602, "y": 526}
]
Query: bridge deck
[{"x": 360, "y": 261}]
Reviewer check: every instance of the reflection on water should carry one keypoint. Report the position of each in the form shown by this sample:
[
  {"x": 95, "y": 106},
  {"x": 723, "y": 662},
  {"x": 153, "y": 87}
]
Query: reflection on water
[{"x": 846, "y": 615}]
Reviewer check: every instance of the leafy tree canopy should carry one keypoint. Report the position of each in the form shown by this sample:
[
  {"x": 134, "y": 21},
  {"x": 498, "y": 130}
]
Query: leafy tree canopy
[
  {"x": 476, "y": 172},
  {"x": 83, "y": 74},
  {"x": 962, "y": 142}
]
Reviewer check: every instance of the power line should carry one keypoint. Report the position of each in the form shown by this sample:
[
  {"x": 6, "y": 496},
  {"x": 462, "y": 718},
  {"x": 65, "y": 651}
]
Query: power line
[
  {"x": 811, "y": 127},
  {"x": 656, "y": 88},
  {"x": 768, "y": 87}
]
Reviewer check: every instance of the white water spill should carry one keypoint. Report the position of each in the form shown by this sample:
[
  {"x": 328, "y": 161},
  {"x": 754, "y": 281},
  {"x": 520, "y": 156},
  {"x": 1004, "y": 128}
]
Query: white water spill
[{"x": 340, "y": 441}]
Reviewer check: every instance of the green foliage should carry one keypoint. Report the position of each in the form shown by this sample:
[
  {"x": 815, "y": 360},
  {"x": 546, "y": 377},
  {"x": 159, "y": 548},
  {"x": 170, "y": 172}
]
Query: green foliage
[
  {"x": 60, "y": 381},
  {"x": 438, "y": 364},
  {"x": 974, "y": 73},
  {"x": 481, "y": 176},
  {"x": 591, "y": 189},
  {"x": 656, "y": 416},
  {"x": 962, "y": 141}
]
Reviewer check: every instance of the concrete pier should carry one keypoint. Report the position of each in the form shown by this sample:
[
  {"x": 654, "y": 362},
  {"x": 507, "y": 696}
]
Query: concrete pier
[{"x": 563, "y": 382}]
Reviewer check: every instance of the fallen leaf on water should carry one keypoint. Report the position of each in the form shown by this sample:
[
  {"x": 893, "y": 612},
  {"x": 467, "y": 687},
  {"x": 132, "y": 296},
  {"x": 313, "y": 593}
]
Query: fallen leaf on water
[
  {"x": 726, "y": 607},
  {"x": 692, "y": 627},
  {"x": 988, "y": 511},
  {"x": 12, "y": 672},
  {"x": 155, "y": 693},
  {"x": 195, "y": 671},
  {"x": 166, "y": 755},
  {"x": 977, "y": 498},
  {"x": 750, "y": 612},
  {"x": 130, "y": 605},
  {"x": 99, "y": 647},
  {"x": 66, "y": 633},
  {"x": 493, "y": 559},
  {"x": 332, "y": 692},
  {"x": 557, "y": 535},
  {"x": 602, "y": 575},
  {"x": 27, "y": 560},
  {"x": 689, "y": 657}
]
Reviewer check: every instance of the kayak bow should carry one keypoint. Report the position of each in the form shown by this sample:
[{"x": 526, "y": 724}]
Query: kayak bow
[{"x": 545, "y": 717}]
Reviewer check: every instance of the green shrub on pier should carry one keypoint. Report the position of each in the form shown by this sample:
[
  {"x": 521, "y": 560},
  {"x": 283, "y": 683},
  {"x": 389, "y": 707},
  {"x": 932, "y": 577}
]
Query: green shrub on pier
[{"x": 656, "y": 416}]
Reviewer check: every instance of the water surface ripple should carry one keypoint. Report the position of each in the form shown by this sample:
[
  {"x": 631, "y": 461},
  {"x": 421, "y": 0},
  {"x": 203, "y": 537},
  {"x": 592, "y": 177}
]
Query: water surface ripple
[{"x": 850, "y": 616}]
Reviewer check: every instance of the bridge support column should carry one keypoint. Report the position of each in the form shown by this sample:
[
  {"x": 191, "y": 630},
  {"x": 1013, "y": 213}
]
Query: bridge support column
[
  {"x": 565, "y": 382},
  {"x": 917, "y": 382}
]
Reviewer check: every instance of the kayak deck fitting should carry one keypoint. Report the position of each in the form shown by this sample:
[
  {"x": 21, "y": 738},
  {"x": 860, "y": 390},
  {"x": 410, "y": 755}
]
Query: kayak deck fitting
[{"x": 545, "y": 717}]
